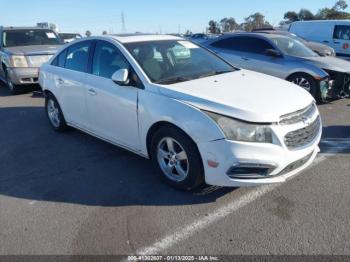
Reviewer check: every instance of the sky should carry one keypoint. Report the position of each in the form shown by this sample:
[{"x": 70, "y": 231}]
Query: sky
[{"x": 148, "y": 16}]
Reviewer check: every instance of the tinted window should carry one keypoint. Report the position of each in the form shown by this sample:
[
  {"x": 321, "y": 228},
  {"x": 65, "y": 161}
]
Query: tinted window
[
  {"x": 78, "y": 56},
  {"x": 107, "y": 60},
  {"x": 30, "y": 37},
  {"x": 62, "y": 59},
  {"x": 342, "y": 32},
  {"x": 244, "y": 44},
  {"x": 292, "y": 47}
]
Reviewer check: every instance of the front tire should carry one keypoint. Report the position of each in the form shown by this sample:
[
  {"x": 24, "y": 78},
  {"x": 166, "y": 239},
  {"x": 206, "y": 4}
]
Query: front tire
[
  {"x": 176, "y": 158},
  {"x": 307, "y": 82},
  {"x": 54, "y": 114},
  {"x": 14, "y": 90}
]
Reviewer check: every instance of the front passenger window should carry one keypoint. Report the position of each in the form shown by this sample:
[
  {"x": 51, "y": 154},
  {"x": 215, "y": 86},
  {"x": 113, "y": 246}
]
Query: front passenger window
[{"x": 107, "y": 60}]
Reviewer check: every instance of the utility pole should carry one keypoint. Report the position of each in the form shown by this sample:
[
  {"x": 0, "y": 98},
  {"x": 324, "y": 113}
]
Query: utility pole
[{"x": 123, "y": 23}]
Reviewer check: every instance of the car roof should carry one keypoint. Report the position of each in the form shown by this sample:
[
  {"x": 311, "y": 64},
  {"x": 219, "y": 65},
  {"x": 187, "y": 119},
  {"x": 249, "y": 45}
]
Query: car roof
[
  {"x": 14, "y": 28},
  {"x": 131, "y": 38},
  {"x": 324, "y": 21}
]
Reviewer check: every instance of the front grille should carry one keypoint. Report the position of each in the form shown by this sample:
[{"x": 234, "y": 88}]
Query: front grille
[
  {"x": 304, "y": 136},
  {"x": 299, "y": 116}
]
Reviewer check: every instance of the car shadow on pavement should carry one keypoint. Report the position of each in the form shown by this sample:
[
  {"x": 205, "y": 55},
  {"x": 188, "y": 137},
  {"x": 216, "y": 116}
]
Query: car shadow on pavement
[
  {"x": 4, "y": 91},
  {"x": 37, "y": 163}
]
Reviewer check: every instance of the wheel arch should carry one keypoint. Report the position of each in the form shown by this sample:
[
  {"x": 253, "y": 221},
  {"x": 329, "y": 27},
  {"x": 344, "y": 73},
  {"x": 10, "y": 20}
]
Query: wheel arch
[
  {"x": 290, "y": 76},
  {"x": 158, "y": 125}
]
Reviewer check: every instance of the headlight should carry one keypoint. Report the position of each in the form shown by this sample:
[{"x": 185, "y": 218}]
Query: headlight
[
  {"x": 19, "y": 61},
  {"x": 240, "y": 131}
]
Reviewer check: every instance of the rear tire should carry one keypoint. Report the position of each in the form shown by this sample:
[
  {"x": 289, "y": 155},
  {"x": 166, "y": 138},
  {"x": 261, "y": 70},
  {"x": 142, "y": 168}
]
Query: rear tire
[
  {"x": 176, "y": 159},
  {"x": 54, "y": 114}
]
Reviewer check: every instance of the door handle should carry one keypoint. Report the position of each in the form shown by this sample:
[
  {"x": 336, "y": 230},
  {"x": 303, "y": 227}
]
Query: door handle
[
  {"x": 327, "y": 42},
  {"x": 92, "y": 92},
  {"x": 245, "y": 58},
  {"x": 335, "y": 42}
]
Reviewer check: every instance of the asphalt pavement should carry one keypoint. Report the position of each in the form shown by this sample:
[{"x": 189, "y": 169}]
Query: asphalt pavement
[{"x": 73, "y": 194}]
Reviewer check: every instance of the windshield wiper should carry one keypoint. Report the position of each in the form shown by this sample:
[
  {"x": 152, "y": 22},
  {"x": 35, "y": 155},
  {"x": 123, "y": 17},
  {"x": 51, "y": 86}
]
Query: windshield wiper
[{"x": 173, "y": 80}]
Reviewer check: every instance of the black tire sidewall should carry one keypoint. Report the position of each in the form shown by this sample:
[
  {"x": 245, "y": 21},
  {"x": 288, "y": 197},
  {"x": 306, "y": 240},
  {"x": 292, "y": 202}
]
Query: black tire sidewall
[
  {"x": 14, "y": 90},
  {"x": 62, "y": 126},
  {"x": 195, "y": 176}
]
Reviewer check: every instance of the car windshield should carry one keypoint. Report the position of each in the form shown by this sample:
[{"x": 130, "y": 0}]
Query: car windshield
[
  {"x": 292, "y": 47},
  {"x": 28, "y": 37},
  {"x": 173, "y": 61}
]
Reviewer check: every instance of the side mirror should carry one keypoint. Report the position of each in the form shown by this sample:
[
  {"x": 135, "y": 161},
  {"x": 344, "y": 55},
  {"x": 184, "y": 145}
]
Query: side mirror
[
  {"x": 273, "y": 53},
  {"x": 121, "y": 77}
]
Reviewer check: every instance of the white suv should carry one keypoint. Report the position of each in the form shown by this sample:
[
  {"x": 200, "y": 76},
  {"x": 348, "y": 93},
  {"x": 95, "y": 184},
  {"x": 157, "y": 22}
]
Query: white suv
[{"x": 198, "y": 118}]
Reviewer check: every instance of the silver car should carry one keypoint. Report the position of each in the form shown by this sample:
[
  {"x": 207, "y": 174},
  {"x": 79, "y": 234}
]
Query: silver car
[
  {"x": 321, "y": 49},
  {"x": 286, "y": 58},
  {"x": 22, "y": 51}
]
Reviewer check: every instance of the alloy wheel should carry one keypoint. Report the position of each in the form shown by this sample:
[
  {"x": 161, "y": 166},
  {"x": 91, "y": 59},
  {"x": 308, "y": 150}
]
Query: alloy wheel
[
  {"x": 302, "y": 82},
  {"x": 172, "y": 159},
  {"x": 53, "y": 113}
]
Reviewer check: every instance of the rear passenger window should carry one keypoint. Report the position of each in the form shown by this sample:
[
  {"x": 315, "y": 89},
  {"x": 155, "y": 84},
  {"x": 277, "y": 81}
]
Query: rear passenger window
[
  {"x": 244, "y": 44},
  {"x": 60, "y": 60},
  {"x": 342, "y": 32},
  {"x": 107, "y": 60},
  {"x": 78, "y": 56}
]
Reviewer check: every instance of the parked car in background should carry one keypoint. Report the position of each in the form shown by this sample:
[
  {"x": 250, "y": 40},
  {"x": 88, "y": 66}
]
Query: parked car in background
[
  {"x": 198, "y": 118},
  {"x": 286, "y": 58},
  {"x": 334, "y": 33},
  {"x": 200, "y": 38},
  {"x": 69, "y": 37},
  {"x": 320, "y": 49},
  {"x": 22, "y": 51}
]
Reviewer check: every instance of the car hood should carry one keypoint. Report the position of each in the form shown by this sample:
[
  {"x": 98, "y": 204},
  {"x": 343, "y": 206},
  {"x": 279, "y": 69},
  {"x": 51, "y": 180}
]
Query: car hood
[
  {"x": 329, "y": 63},
  {"x": 242, "y": 94},
  {"x": 33, "y": 50},
  {"x": 319, "y": 47}
]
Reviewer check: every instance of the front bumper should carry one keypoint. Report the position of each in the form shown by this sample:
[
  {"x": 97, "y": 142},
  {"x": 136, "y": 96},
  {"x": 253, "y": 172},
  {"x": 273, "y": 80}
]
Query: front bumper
[
  {"x": 227, "y": 154},
  {"x": 23, "y": 75}
]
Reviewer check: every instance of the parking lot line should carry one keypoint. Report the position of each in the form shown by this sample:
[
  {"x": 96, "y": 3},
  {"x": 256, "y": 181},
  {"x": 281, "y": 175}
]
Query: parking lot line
[{"x": 188, "y": 230}]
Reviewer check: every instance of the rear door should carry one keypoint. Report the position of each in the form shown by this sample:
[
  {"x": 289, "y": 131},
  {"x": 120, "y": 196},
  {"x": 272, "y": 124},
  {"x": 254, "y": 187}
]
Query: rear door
[
  {"x": 230, "y": 49},
  {"x": 70, "y": 82},
  {"x": 341, "y": 40}
]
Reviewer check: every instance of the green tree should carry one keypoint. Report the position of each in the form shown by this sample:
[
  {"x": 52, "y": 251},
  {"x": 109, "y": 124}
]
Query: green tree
[
  {"x": 336, "y": 12},
  {"x": 228, "y": 24},
  {"x": 291, "y": 16},
  {"x": 255, "y": 21},
  {"x": 88, "y": 33},
  {"x": 305, "y": 15},
  {"x": 214, "y": 27}
]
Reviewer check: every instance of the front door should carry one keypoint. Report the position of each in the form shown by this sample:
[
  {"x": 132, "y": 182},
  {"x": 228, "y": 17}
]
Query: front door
[{"x": 112, "y": 108}]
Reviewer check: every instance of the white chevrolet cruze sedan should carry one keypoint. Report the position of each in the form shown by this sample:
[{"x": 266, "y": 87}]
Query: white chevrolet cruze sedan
[{"x": 198, "y": 118}]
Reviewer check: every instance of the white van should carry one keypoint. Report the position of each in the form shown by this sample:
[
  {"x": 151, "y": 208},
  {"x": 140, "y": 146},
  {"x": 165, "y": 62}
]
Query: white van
[{"x": 334, "y": 33}]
